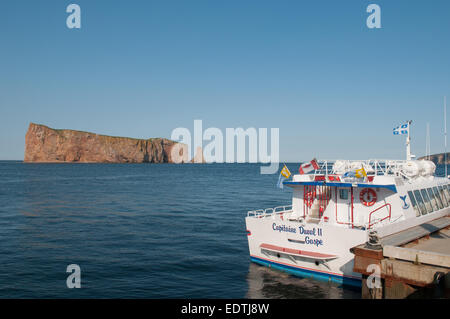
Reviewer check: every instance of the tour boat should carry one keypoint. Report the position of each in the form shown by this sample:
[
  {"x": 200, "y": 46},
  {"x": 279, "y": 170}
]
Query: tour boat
[{"x": 332, "y": 212}]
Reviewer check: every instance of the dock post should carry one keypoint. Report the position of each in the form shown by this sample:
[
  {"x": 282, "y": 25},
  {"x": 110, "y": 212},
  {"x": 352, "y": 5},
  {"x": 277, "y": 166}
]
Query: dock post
[{"x": 370, "y": 293}]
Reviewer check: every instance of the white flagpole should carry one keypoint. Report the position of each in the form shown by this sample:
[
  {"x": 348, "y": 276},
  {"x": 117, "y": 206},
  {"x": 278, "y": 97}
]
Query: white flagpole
[
  {"x": 408, "y": 141},
  {"x": 445, "y": 134},
  {"x": 428, "y": 147}
]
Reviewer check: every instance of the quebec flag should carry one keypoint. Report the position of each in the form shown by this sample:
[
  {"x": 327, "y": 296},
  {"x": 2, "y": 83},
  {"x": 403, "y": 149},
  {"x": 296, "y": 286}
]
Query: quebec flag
[{"x": 403, "y": 129}]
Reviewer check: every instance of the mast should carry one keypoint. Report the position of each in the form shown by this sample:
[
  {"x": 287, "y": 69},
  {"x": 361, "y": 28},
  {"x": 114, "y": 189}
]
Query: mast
[
  {"x": 445, "y": 134},
  {"x": 408, "y": 143},
  {"x": 428, "y": 146}
]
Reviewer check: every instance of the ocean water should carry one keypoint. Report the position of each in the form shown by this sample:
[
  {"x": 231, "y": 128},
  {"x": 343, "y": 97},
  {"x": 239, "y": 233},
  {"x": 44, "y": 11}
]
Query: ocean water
[{"x": 139, "y": 231}]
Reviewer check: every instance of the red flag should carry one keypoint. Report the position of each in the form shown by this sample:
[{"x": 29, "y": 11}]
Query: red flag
[{"x": 308, "y": 167}]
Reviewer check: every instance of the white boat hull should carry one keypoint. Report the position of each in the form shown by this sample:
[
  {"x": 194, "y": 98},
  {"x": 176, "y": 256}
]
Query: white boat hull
[
  {"x": 323, "y": 253},
  {"x": 331, "y": 213},
  {"x": 311, "y": 250}
]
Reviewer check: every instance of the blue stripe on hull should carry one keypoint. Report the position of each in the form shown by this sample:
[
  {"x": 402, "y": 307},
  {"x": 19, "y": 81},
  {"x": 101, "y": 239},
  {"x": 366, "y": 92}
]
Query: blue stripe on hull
[{"x": 305, "y": 273}]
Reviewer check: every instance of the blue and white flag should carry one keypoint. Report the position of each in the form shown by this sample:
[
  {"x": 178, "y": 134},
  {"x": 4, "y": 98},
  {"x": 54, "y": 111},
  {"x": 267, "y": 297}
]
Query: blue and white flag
[
  {"x": 349, "y": 174},
  {"x": 403, "y": 129},
  {"x": 280, "y": 182}
]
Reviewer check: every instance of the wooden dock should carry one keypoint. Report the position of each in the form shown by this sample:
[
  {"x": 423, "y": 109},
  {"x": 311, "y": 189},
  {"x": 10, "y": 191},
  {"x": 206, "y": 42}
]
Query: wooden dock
[{"x": 407, "y": 263}]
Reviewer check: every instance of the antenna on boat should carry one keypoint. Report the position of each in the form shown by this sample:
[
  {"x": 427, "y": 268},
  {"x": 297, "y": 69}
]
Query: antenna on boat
[
  {"x": 445, "y": 134},
  {"x": 428, "y": 148}
]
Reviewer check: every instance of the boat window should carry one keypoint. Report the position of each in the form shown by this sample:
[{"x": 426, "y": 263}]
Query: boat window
[
  {"x": 343, "y": 193},
  {"x": 414, "y": 203},
  {"x": 432, "y": 199},
  {"x": 419, "y": 200},
  {"x": 441, "y": 193},
  {"x": 426, "y": 200},
  {"x": 438, "y": 198},
  {"x": 447, "y": 193}
]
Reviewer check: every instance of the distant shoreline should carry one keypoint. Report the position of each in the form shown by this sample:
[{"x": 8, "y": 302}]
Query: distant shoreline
[
  {"x": 437, "y": 158},
  {"x": 147, "y": 163}
]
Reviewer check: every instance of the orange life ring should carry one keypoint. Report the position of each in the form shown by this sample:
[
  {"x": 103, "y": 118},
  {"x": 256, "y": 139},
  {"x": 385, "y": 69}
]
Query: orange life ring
[{"x": 368, "y": 197}]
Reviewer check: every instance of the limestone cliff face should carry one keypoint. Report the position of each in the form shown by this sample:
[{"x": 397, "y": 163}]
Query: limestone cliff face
[{"x": 43, "y": 144}]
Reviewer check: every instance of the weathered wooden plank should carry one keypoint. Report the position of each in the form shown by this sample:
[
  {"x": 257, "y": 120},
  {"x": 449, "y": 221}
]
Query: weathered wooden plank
[
  {"x": 360, "y": 264},
  {"x": 362, "y": 251},
  {"x": 416, "y": 232},
  {"x": 418, "y": 275},
  {"x": 394, "y": 289},
  {"x": 419, "y": 256},
  {"x": 370, "y": 293}
]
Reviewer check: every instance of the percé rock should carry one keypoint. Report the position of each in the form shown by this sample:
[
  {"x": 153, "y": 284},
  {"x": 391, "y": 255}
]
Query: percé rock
[
  {"x": 437, "y": 158},
  {"x": 44, "y": 144},
  {"x": 198, "y": 157}
]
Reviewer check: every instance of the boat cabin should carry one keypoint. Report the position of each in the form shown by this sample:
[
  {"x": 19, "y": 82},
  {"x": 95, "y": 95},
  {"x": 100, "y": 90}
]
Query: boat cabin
[{"x": 384, "y": 195}]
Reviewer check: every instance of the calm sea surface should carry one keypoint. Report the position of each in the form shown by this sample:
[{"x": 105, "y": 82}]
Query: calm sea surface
[{"x": 139, "y": 231}]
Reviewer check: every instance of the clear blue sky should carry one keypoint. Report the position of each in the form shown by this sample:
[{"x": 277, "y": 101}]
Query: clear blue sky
[{"x": 334, "y": 87}]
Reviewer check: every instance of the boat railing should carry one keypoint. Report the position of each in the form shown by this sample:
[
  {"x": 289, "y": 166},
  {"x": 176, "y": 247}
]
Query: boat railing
[
  {"x": 380, "y": 167},
  {"x": 325, "y": 168},
  {"x": 260, "y": 213},
  {"x": 378, "y": 220}
]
